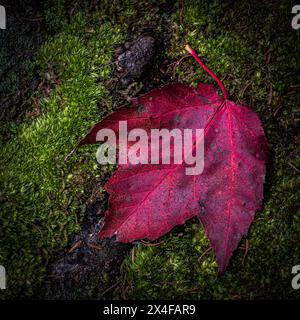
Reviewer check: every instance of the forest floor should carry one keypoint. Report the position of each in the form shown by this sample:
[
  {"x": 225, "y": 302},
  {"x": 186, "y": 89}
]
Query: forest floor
[{"x": 58, "y": 78}]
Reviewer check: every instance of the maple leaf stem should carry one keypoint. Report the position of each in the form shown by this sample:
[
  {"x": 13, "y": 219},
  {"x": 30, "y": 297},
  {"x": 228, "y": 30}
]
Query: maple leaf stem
[{"x": 195, "y": 56}]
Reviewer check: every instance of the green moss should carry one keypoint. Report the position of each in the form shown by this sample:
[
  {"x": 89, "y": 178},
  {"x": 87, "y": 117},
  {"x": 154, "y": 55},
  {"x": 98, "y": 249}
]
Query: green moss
[
  {"x": 171, "y": 264},
  {"x": 43, "y": 196},
  {"x": 236, "y": 50}
]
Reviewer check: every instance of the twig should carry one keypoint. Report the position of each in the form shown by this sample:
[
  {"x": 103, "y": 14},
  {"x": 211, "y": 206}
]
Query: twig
[
  {"x": 149, "y": 244},
  {"x": 132, "y": 254},
  {"x": 268, "y": 56},
  {"x": 204, "y": 253},
  {"x": 270, "y": 95},
  {"x": 90, "y": 245},
  {"x": 277, "y": 110},
  {"x": 241, "y": 93},
  {"x": 70, "y": 153},
  {"x": 293, "y": 166},
  {"x": 108, "y": 289},
  {"x": 177, "y": 63},
  {"x": 181, "y": 12},
  {"x": 75, "y": 246}
]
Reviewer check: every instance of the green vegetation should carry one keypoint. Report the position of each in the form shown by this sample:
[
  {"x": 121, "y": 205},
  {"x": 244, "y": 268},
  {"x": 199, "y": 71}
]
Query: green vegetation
[
  {"x": 252, "y": 57},
  {"x": 43, "y": 198}
]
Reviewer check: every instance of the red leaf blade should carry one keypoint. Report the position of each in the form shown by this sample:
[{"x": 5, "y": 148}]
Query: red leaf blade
[{"x": 148, "y": 200}]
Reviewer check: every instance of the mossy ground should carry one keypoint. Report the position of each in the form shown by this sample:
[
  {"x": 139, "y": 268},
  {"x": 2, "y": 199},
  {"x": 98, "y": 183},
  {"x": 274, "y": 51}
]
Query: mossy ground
[
  {"x": 253, "y": 46},
  {"x": 43, "y": 198}
]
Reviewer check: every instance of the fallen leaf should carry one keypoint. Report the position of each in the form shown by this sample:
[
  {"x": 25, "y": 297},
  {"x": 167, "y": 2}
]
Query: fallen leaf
[{"x": 148, "y": 200}]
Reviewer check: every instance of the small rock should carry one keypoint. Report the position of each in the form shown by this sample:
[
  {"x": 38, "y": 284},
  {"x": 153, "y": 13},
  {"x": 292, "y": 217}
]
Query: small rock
[{"x": 133, "y": 57}]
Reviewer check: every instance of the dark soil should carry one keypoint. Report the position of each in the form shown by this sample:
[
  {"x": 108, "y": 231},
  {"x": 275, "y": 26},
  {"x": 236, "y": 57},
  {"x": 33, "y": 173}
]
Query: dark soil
[
  {"x": 18, "y": 43},
  {"x": 91, "y": 266}
]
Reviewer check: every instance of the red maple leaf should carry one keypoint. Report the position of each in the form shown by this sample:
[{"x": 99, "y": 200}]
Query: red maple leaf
[{"x": 148, "y": 200}]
